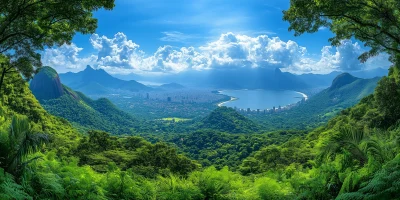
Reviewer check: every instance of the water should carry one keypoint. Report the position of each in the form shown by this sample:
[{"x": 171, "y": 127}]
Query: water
[{"x": 261, "y": 99}]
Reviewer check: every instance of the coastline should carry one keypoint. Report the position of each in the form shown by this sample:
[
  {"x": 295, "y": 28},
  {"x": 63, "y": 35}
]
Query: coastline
[
  {"x": 304, "y": 95},
  {"x": 232, "y": 99}
]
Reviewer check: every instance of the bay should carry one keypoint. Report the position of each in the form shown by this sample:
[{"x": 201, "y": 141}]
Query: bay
[{"x": 261, "y": 99}]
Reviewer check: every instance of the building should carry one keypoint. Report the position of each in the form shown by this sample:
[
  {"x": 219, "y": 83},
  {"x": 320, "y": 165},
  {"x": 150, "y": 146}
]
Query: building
[{"x": 169, "y": 99}]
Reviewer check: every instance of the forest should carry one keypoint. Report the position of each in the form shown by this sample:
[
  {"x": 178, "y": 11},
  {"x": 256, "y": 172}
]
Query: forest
[{"x": 356, "y": 155}]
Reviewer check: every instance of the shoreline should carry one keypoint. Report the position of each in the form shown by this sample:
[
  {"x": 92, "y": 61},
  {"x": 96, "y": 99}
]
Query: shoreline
[
  {"x": 304, "y": 95},
  {"x": 234, "y": 99}
]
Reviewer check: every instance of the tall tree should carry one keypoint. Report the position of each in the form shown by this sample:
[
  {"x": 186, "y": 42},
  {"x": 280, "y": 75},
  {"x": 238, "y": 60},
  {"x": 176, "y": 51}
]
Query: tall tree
[
  {"x": 374, "y": 22},
  {"x": 27, "y": 26}
]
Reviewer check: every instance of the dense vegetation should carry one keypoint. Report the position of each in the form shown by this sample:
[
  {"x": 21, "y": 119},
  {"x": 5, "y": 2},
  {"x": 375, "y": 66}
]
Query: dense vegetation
[
  {"x": 219, "y": 149},
  {"x": 228, "y": 120},
  {"x": 83, "y": 112},
  {"x": 356, "y": 155},
  {"x": 98, "y": 114}
]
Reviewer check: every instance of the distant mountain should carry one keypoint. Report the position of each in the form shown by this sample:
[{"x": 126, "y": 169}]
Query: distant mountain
[
  {"x": 319, "y": 80},
  {"x": 91, "y": 81},
  {"x": 345, "y": 91},
  {"x": 324, "y": 80},
  {"x": 77, "y": 108},
  {"x": 237, "y": 78},
  {"x": 372, "y": 73},
  {"x": 226, "y": 119},
  {"x": 172, "y": 86},
  {"x": 253, "y": 78},
  {"x": 257, "y": 78}
]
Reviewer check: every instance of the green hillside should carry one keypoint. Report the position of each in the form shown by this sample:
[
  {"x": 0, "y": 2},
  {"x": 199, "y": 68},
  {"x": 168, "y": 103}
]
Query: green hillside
[
  {"x": 226, "y": 119},
  {"x": 354, "y": 156},
  {"x": 82, "y": 111},
  {"x": 71, "y": 165},
  {"x": 345, "y": 92}
]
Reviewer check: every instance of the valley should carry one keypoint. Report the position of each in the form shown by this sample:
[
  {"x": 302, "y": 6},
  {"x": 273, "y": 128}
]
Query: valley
[{"x": 199, "y": 100}]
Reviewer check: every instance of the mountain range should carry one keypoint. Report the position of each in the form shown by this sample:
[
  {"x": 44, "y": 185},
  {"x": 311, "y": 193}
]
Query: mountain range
[
  {"x": 91, "y": 81},
  {"x": 83, "y": 112},
  {"x": 257, "y": 78},
  {"x": 241, "y": 78}
]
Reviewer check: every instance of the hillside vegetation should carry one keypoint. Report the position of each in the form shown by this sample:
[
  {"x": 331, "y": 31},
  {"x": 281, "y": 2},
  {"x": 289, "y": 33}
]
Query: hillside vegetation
[
  {"x": 356, "y": 155},
  {"x": 344, "y": 92},
  {"x": 83, "y": 112}
]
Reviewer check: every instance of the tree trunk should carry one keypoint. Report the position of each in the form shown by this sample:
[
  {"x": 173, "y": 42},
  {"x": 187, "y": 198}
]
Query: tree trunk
[{"x": 2, "y": 78}]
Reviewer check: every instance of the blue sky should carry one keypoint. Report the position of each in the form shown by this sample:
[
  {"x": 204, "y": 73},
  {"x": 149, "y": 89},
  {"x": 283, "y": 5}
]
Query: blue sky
[{"x": 171, "y": 36}]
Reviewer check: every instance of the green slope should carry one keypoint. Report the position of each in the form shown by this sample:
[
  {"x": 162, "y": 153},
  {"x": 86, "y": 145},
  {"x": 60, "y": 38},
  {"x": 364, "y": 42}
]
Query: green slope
[
  {"x": 226, "y": 119},
  {"x": 77, "y": 108},
  {"x": 345, "y": 92}
]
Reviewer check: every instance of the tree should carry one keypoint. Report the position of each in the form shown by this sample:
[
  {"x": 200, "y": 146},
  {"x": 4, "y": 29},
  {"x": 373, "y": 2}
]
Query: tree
[
  {"x": 374, "y": 22},
  {"x": 354, "y": 144},
  {"x": 387, "y": 96},
  {"x": 27, "y": 26},
  {"x": 22, "y": 141}
]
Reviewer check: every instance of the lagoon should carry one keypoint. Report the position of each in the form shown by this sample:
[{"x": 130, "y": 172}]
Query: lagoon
[{"x": 261, "y": 99}]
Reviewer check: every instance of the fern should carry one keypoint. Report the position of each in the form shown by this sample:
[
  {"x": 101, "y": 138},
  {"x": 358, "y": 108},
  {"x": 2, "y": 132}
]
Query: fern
[
  {"x": 385, "y": 184},
  {"x": 9, "y": 189}
]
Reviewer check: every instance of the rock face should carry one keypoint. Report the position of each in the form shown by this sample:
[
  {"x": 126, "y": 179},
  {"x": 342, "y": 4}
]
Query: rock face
[
  {"x": 342, "y": 80},
  {"x": 46, "y": 84}
]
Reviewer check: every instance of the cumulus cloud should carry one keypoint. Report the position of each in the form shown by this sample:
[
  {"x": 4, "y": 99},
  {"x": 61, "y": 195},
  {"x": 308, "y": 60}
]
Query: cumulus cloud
[
  {"x": 121, "y": 55},
  {"x": 232, "y": 50},
  {"x": 341, "y": 58},
  {"x": 66, "y": 58}
]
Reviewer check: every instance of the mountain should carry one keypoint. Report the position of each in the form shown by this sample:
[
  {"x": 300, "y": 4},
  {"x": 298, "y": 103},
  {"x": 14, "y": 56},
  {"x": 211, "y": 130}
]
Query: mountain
[
  {"x": 319, "y": 80},
  {"x": 342, "y": 80},
  {"x": 345, "y": 91},
  {"x": 59, "y": 100},
  {"x": 91, "y": 81},
  {"x": 172, "y": 86},
  {"x": 237, "y": 78},
  {"x": 371, "y": 73},
  {"x": 324, "y": 80},
  {"x": 46, "y": 84},
  {"x": 226, "y": 119}
]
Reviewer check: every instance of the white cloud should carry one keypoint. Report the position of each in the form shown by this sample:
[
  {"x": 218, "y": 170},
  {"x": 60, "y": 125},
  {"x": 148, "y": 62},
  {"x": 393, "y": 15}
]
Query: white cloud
[
  {"x": 65, "y": 58},
  {"x": 244, "y": 51},
  {"x": 341, "y": 58},
  {"x": 119, "y": 55}
]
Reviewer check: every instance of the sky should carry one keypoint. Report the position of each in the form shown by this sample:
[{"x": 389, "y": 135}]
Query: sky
[{"x": 173, "y": 36}]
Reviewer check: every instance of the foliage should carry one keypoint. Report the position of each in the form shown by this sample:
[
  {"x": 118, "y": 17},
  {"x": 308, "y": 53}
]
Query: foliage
[
  {"x": 228, "y": 120},
  {"x": 21, "y": 142},
  {"x": 211, "y": 147},
  {"x": 98, "y": 114},
  {"x": 27, "y": 26},
  {"x": 150, "y": 160},
  {"x": 375, "y": 23}
]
